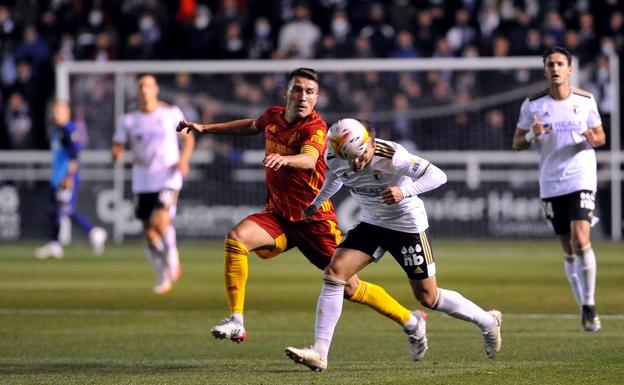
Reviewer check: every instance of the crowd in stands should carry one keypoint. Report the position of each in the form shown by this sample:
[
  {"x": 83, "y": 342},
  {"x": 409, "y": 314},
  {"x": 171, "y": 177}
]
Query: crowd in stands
[{"x": 35, "y": 35}]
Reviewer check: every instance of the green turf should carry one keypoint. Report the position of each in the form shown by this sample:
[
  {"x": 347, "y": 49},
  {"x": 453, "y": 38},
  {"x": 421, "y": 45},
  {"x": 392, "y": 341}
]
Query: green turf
[{"x": 85, "y": 320}]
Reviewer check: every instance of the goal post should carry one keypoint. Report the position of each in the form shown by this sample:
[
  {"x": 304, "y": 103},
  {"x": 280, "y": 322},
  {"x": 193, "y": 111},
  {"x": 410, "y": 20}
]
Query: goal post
[{"x": 466, "y": 129}]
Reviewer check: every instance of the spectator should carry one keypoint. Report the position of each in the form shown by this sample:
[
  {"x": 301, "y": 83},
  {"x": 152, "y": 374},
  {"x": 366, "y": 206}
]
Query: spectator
[
  {"x": 378, "y": 31},
  {"x": 18, "y": 123},
  {"x": 232, "y": 44},
  {"x": 402, "y": 14},
  {"x": 404, "y": 46},
  {"x": 261, "y": 44},
  {"x": 462, "y": 33},
  {"x": 298, "y": 38}
]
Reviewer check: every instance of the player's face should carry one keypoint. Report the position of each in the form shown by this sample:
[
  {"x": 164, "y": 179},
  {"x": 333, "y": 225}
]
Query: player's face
[
  {"x": 61, "y": 113},
  {"x": 362, "y": 161},
  {"x": 147, "y": 90},
  {"x": 556, "y": 69},
  {"x": 301, "y": 97}
]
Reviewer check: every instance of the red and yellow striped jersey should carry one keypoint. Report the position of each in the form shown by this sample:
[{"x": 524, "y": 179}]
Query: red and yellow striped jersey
[{"x": 291, "y": 190}]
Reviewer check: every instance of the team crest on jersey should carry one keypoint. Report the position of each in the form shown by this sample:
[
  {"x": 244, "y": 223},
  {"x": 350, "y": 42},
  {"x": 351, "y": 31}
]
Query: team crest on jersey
[
  {"x": 575, "y": 108},
  {"x": 414, "y": 164},
  {"x": 377, "y": 175},
  {"x": 272, "y": 128},
  {"x": 546, "y": 114}
]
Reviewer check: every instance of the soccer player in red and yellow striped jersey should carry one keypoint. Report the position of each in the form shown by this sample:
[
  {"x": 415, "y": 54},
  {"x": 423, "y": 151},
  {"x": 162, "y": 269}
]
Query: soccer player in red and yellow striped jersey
[{"x": 295, "y": 171}]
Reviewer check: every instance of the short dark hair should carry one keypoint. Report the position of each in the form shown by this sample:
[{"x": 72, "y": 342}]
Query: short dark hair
[
  {"x": 307, "y": 73},
  {"x": 557, "y": 49}
]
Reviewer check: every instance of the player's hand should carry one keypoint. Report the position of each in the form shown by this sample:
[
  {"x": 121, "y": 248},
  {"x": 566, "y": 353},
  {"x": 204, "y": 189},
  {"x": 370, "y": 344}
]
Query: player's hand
[
  {"x": 188, "y": 126},
  {"x": 274, "y": 161},
  {"x": 592, "y": 138},
  {"x": 539, "y": 127},
  {"x": 309, "y": 212},
  {"x": 392, "y": 195},
  {"x": 66, "y": 183}
]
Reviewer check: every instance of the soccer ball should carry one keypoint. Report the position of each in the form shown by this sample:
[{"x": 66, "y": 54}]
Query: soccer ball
[{"x": 348, "y": 138}]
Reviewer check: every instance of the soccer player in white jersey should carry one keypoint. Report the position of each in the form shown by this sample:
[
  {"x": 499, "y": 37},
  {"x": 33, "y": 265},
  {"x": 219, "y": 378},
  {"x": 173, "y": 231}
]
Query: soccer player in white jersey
[
  {"x": 563, "y": 124},
  {"x": 385, "y": 179},
  {"x": 158, "y": 168}
]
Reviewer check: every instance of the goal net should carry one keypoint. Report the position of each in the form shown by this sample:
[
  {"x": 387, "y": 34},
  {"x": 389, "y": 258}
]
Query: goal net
[{"x": 458, "y": 113}]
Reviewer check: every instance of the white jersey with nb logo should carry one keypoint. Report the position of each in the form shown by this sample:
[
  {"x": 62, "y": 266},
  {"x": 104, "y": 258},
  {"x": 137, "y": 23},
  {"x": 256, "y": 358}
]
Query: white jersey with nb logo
[
  {"x": 392, "y": 165},
  {"x": 153, "y": 140},
  {"x": 567, "y": 160}
]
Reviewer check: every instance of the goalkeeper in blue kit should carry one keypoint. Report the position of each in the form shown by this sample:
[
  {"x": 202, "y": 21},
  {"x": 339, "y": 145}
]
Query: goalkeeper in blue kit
[{"x": 64, "y": 181}]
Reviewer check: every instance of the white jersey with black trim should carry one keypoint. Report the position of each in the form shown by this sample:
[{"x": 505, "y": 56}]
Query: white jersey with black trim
[
  {"x": 392, "y": 165},
  {"x": 153, "y": 141},
  {"x": 567, "y": 160}
]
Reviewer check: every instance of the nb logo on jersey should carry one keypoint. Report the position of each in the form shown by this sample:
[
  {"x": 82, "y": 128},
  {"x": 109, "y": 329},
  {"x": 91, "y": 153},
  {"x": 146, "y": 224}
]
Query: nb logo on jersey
[{"x": 412, "y": 256}]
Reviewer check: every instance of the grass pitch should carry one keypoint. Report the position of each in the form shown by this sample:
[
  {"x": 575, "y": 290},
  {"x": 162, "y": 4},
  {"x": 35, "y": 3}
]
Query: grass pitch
[{"x": 85, "y": 320}]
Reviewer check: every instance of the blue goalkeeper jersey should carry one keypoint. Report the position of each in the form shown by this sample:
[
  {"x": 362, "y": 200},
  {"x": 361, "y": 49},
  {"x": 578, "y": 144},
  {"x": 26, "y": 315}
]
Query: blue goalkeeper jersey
[{"x": 65, "y": 148}]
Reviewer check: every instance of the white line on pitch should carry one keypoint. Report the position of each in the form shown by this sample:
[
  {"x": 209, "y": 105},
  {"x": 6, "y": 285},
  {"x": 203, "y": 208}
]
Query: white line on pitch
[{"x": 127, "y": 312}]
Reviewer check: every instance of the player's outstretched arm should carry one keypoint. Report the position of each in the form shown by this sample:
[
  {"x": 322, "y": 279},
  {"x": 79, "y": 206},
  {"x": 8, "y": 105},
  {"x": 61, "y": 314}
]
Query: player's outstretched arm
[{"x": 236, "y": 127}]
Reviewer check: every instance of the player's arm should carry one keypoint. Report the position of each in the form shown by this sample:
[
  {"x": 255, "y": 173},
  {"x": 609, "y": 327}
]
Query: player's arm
[
  {"x": 331, "y": 185},
  {"x": 305, "y": 160},
  {"x": 425, "y": 177},
  {"x": 236, "y": 127},
  {"x": 73, "y": 149},
  {"x": 302, "y": 161},
  {"x": 117, "y": 151},
  {"x": 188, "y": 144},
  {"x": 596, "y": 136}
]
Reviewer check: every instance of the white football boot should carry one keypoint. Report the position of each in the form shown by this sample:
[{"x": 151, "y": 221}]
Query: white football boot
[
  {"x": 97, "y": 238},
  {"x": 492, "y": 337},
  {"x": 307, "y": 356},
  {"x": 50, "y": 250},
  {"x": 230, "y": 329},
  {"x": 418, "y": 338}
]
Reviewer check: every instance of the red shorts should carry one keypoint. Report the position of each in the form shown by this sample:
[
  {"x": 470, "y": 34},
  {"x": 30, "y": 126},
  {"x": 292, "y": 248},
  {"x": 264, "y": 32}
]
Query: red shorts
[{"x": 316, "y": 240}]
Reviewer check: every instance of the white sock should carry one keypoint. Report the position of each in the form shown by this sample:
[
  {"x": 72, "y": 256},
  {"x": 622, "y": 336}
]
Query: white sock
[
  {"x": 455, "y": 305},
  {"x": 569, "y": 266},
  {"x": 157, "y": 261},
  {"x": 173, "y": 259},
  {"x": 328, "y": 310},
  {"x": 586, "y": 270}
]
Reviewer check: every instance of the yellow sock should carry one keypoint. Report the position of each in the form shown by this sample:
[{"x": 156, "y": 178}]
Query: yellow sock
[
  {"x": 236, "y": 272},
  {"x": 379, "y": 300}
]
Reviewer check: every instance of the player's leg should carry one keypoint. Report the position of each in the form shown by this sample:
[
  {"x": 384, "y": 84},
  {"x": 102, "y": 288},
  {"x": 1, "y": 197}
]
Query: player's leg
[
  {"x": 580, "y": 228},
  {"x": 570, "y": 269},
  {"x": 318, "y": 242},
  {"x": 53, "y": 248},
  {"x": 155, "y": 250},
  {"x": 256, "y": 232},
  {"x": 556, "y": 210},
  {"x": 97, "y": 235},
  {"x": 414, "y": 254},
  {"x": 344, "y": 264}
]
